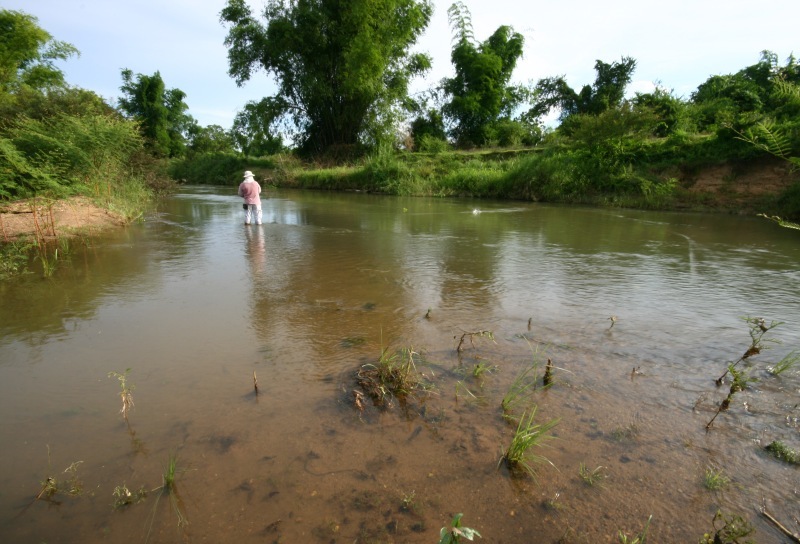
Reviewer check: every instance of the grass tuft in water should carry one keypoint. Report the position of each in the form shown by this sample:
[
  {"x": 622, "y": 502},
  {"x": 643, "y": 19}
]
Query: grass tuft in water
[
  {"x": 782, "y": 452},
  {"x": 456, "y": 531},
  {"x": 521, "y": 389},
  {"x": 640, "y": 538},
  {"x": 394, "y": 374},
  {"x": 519, "y": 457},
  {"x": 715, "y": 479},
  {"x": 125, "y": 497},
  {"x": 785, "y": 364},
  {"x": 594, "y": 477}
]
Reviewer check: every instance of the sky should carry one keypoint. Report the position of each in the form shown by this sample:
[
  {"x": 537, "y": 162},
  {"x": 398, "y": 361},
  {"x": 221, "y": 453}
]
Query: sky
[{"x": 677, "y": 45}]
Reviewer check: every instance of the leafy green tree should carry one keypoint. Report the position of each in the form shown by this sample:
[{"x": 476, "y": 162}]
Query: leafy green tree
[
  {"x": 161, "y": 112},
  {"x": 607, "y": 92},
  {"x": 480, "y": 92},
  {"x": 669, "y": 110},
  {"x": 252, "y": 132},
  {"x": 342, "y": 66},
  {"x": 428, "y": 126},
  {"x": 27, "y": 56},
  {"x": 737, "y": 100},
  {"x": 209, "y": 139}
]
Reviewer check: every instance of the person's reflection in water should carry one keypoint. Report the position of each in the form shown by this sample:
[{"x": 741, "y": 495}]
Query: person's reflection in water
[{"x": 256, "y": 251}]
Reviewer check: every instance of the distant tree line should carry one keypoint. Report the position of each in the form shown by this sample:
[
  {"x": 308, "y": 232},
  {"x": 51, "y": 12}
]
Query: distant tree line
[{"x": 343, "y": 70}]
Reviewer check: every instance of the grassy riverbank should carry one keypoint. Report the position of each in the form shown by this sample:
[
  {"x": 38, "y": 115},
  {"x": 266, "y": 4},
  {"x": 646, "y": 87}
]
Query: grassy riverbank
[{"x": 698, "y": 173}]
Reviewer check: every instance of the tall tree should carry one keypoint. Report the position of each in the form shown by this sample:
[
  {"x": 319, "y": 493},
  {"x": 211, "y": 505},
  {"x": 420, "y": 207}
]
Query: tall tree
[
  {"x": 27, "y": 56},
  {"x": 606, "y": 93},
  {"x": 161, "y": 112},
  {"x": 209, "y": 139},
  {"x": 480, "y": 92},
  {"x": 251, "y": 130},
  {"x": 342, "y": 66}
]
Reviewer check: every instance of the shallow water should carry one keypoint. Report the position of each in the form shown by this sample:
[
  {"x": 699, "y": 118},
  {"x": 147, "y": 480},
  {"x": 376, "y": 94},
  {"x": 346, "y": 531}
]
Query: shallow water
[{"x": 193, "y": 303}]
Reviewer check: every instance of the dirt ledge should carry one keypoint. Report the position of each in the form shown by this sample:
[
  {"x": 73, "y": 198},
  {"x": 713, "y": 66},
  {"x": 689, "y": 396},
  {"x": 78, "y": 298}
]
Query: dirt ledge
[{"x": 52, "y": 219}]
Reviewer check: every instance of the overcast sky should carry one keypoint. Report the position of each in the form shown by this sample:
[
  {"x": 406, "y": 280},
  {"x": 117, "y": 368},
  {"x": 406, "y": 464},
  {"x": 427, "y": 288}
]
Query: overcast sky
[{"x": 678, "y": 44}]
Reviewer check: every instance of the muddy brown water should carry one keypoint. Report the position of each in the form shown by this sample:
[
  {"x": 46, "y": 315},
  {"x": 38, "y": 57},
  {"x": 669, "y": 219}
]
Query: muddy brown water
[{"x": 193, "y": 303}]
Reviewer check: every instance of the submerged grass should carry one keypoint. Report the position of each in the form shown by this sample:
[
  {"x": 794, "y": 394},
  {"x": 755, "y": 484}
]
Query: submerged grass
[
  {"x": 519, "y": 457},
  {"x": 782, "y": 452},
  {"x": 521, "y": 389},
  {"x": 715, "y": 479},
  {"x": 168, "y": 488},
  {"x": 394, "y": 375}
]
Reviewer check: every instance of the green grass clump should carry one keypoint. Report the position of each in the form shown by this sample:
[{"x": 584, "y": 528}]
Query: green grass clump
[
  {"x": 592, "y": 477},
  {"x": 783, "y": 452},
  {"x": 787, "y": 363},
  {"x": 395, "y": 374},
  {"x": 519, "y": 457},
  {"x": 715, "y": 479}
]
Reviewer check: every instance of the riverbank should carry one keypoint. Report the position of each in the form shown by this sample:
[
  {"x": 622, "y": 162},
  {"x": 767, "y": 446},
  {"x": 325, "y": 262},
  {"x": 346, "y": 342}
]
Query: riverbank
[
  {"x": 744, "y": 187},
  {"x": 55, "y": 218}
]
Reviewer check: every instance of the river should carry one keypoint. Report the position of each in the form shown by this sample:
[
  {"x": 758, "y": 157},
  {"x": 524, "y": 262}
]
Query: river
[{"x": 638, "y": 312}]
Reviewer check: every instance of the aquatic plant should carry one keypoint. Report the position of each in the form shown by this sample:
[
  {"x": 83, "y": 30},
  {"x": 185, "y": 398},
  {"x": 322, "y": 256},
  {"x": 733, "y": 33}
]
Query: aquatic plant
[
  {"x": 640, "y": 538},
  {"x": 627, "y": 433},
  {"x": 168, "y": 488},
  {"x": 782, "y": 452},
  {"x": 523, "y": 385},
  {"x": 71, "y": 486},
  {"x": 715, "y": 479},
  {"x": 394, "y": 374},
  {"x": 482, "y": 368},
  {"x": 125, "y": 392},
  {"x": 408, "y": 502},
  {"x": 462, "y": 388},
  {"x": 125, "y": 497},
  {"x": 472, "y": 336},
  {"x": 788, "y": 362},
  {"x": 739, "y": 382},
  {"x": 734, "y": 528},
  {"x": 758, "y": 328},
  {"x": 553, "y": 503},
  {"x": 518, "y": 457},
  {"x": 591, "y": 477},
  {"x": 454, "y": 533}
]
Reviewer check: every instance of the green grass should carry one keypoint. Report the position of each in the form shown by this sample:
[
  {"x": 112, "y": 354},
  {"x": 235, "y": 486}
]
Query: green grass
[
  {"x": 787, "y": 363},
  {"x": 395, "y": 374},
  {"x": 715, "y": 479},
  {"x": 519, "y": 456},
  {"x": 594, "y": 477},
  {"x": 782, "y": 452},
  {"x": 640, "y": 538}
]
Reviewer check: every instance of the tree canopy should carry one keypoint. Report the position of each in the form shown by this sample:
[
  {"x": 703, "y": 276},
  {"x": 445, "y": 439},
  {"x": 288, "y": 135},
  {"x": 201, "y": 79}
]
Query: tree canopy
[
  {"x": 27, "y": 55},
  {"x": 161, "y": 112},
  {"x": 342, "y": 66},
  {"x": 480, "y": 92},
  {"x": 606, "y": 93}
]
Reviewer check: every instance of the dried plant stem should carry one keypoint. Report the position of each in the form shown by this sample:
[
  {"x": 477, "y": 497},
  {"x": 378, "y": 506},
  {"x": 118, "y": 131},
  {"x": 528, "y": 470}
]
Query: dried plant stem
[{"x": 794, "y": 537}]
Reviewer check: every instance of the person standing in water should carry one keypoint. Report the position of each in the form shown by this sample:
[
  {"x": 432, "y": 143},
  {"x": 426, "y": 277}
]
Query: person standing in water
[{"x": 250, "y": 190}]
